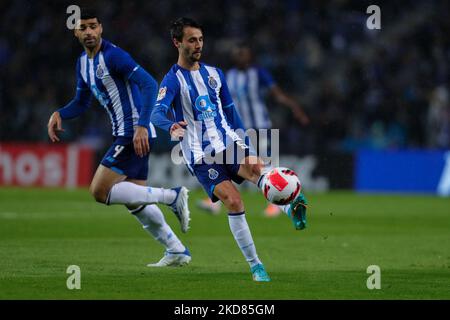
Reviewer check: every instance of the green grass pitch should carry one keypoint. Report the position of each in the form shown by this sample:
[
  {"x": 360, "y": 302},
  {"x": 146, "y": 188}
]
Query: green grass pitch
[{"x": 42, "y": 232}]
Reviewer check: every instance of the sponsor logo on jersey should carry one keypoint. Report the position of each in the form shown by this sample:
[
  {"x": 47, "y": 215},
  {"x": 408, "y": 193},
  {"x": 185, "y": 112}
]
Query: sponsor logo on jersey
[
  {"x": 162, "y": 93},
  {"x": 206, "y": 107}
]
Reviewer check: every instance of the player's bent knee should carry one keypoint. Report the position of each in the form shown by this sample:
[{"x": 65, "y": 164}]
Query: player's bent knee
[{"x": 99, "y": 194}]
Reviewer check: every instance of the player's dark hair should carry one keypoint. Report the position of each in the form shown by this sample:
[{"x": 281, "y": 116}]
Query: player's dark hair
[
  {"x": 177, "y": 26},
  {"x": 89, "y": 13}
]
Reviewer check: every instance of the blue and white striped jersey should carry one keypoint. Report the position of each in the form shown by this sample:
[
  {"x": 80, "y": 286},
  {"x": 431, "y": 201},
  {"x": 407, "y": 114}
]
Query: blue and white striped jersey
[
  {"x": 107, "y": 77},
  {"x": 248, "y": 88},
  {"x": 199, "y": 97}
]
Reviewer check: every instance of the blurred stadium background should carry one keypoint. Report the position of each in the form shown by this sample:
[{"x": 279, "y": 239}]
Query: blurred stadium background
[
  {"x": 379, "y": 106},
  {"x": 384, "y": 91}
]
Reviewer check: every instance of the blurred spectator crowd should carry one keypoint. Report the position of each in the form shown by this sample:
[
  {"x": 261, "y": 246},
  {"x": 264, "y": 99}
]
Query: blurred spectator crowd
[{"x": 379, "y": 89}]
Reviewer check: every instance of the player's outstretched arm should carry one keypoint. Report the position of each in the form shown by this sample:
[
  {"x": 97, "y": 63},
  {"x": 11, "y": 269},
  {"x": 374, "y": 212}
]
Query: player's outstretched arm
[
  {"x": 73, "y": 109},
  {"x": 79, "y": 104}
]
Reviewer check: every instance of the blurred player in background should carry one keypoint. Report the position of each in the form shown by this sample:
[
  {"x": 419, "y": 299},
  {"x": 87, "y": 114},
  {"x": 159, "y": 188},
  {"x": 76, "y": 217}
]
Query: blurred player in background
[
  {"x": 249, "y": 86},
  {"x": 127, "y": 92},
  {"x": 206, "y": 122}
]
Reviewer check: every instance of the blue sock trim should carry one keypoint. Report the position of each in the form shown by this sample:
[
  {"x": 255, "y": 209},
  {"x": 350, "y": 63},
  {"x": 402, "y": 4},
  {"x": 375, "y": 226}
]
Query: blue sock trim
[
  {"x": 178, "y": 191},
  {"x": 236, "y": 213},
  {"x": 138, "y": 209}
]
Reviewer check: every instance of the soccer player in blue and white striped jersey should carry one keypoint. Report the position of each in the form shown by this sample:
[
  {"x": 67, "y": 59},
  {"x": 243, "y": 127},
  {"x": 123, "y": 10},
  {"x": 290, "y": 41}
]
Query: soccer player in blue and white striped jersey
[
  {"x": 127, "y": 93},
  {"x": 207, "y": 124}
]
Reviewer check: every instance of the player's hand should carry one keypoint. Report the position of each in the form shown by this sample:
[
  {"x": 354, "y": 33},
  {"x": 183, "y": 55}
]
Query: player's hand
[
  {"x": 140, "y": 141},
  {"x": 177, "y": 130},
  {"x": 54, "y": 125}
]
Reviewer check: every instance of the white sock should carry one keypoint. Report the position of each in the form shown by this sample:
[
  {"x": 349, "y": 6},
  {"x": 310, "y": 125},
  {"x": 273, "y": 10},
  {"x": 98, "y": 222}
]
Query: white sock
[
  {"x": 243, "y": 237},
  {"x": 152, "y": 220},
  {"x": 129, "y": 193}
]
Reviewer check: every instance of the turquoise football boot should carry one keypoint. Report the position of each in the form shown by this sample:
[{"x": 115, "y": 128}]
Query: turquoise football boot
[
  {"x": 297, "y": 211},
  {"x": 259, "y": 273}
]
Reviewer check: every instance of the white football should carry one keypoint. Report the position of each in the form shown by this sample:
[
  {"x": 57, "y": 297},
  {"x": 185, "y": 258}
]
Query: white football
[{"x": 281, "y": 185}]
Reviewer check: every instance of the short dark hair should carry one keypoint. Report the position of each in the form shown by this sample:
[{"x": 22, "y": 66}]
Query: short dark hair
[
  {"x": 177, "y": 26},
  {"x": 89, "y": 13}
]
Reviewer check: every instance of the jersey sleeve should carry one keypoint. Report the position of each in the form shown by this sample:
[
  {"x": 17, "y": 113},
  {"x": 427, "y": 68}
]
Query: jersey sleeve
[
  {"x": 168, "y": 89},
  {"x": 81, "y": 84},
  {"x": 121, "y": 62},
  {"x": 225, "y": 95},
  {"x": 82, "y": 100},
  {"x": 265, "y": 78}
]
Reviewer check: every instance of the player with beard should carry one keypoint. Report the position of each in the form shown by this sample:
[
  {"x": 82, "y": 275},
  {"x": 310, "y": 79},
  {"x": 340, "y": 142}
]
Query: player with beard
[
  {"x": 207, "y": 123},
  {"x": 127, "y": 93}
]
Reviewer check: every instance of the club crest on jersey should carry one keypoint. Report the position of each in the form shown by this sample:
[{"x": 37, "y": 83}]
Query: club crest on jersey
[
  {"x": 206, "y": 107},
  {"x": 161, "y": 93},
  {"x": 99, "y": 73},
  {"x": 213, "y": 174},
  {"x": 212, "y": 82}
]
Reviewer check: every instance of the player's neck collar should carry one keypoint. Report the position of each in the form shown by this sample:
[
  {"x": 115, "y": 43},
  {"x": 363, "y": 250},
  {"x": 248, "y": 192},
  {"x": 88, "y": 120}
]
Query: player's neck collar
[
  {"x": 190, "y": 69},
  {"x": 100, "y": 48}
]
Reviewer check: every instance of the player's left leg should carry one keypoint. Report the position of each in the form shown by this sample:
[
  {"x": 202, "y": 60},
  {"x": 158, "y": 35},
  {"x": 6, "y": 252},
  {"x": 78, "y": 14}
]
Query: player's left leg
[
  {"x": 152, "y": 220},
  {"x": 231, "y": 198}
]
